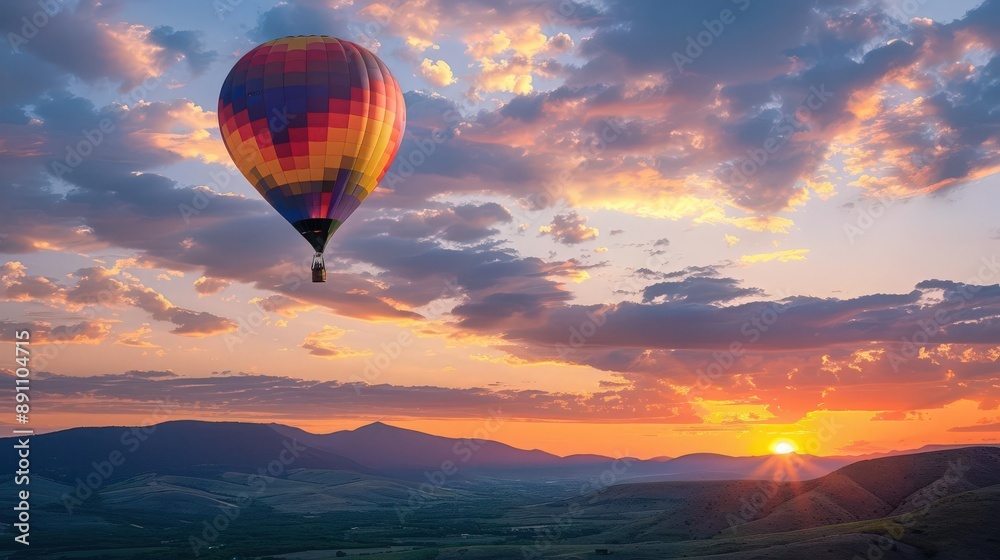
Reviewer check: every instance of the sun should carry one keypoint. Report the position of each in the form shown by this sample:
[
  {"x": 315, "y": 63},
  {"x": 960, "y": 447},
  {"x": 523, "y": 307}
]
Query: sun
[{"x": 783, "y": 447}]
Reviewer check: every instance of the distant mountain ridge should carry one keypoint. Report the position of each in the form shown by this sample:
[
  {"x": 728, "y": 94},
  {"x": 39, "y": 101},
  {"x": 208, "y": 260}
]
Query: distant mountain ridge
[
  {"x": 376, "y": 449},
  {"x": 381, "y": 446},
  {"x": 118, "y": 453}
]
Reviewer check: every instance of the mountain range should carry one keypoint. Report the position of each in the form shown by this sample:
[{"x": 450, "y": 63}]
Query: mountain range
[
  {"x": 215, "y": 490},
  {"x": 381, "y": 449}
]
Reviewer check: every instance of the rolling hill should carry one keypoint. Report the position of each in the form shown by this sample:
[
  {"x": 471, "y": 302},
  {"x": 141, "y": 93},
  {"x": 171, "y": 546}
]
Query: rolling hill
[
  {"x": 170, "y": 447},
  {"x": 865, "y": 490},
  {"x": 938, "y": 504}
]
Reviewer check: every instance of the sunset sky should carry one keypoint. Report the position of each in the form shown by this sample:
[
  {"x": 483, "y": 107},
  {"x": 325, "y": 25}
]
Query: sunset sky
[{"x": 618, "y": 239}]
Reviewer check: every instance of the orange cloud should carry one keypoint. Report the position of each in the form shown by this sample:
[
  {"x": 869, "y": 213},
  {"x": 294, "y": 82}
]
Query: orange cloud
[
  {"x": 189, "y": 136},
  {"x": 137, "y": 338},
  {"x": 320, "y": 343}
]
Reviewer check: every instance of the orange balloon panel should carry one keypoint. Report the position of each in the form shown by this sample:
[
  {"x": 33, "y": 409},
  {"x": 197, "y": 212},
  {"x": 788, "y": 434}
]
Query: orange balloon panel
[{"x": 313, "y": 123}]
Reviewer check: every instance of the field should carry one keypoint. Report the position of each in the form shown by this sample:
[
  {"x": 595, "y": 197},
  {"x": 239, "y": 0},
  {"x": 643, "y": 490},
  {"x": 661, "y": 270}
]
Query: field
[{"x": 311, "y": 514}]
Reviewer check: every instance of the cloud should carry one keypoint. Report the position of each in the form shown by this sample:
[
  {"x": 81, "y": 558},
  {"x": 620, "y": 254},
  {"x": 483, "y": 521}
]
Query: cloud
[
  {"x": 842, "y": 354},
  {"x": 100, "y": 286},
  {"x": 464, "y": 223},
  {"x": 897, "y": 416},
  {"x": 301, "y": 17},
  {"x": 418, "y": 271},
  {"x": 569, "y": 229},
  {"x": 699, "y": 290},
  {"x": 785, "y": 255},
  {"x": 794, "y": 323},
  {"x": 909, "y": 105},
  {"x": 189, "y": 323},
  {"x": 206, "y": 286},
  {"x": 673, "y": 154},
  {"x": 420, "y": 25},
  {"x": 16, "y": 285},
  {"x": 283, "y": 305},
  {"x": 512, "y": 75},
  {"x": 188, "y": 136},
  {"x": 137, "y": 338},
  {"x": 559, "y": 43},
  {"x": 148, "y": 374},
  {"x": 94, "y": 194},
  {"x": 183, "y": 45},
  {"x": 508, "y": 59},
  {"x": 320, "y": 343},
  {"x": 494, "y": 310},
  {"x": 278, "y": 397},
  {"x": 45, "y": 333},
  {"x": 84, "y": 39},
  {"x": 994, "y": 427},
  {"x": 437, "y": 73}
]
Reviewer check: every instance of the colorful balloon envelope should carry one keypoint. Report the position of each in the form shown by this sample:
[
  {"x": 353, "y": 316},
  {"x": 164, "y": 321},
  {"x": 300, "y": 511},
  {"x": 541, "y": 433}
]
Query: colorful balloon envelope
[{"x": 313, "y": 123}]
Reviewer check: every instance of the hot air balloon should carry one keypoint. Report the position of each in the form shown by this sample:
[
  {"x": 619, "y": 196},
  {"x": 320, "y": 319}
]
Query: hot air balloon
[{"x": 313, "y": 123}]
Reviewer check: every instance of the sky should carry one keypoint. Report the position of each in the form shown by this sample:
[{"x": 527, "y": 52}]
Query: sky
[{"x": 625, "y": 227}]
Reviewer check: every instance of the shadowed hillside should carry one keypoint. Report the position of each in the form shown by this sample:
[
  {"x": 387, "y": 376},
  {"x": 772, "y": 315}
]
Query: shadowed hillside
[
  {"x": 865, "y": 490},
  {"x": 172, "y": 447},
  {"x": 199, "y": 487}
]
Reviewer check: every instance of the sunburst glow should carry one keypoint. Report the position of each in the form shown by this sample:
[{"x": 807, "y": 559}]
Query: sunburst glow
[{"x": 783, "y": 447}]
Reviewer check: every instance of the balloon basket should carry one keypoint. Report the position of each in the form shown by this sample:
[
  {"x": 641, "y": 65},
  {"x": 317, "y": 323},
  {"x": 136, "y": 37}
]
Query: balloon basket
[{"x": 318, "y": 268}]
